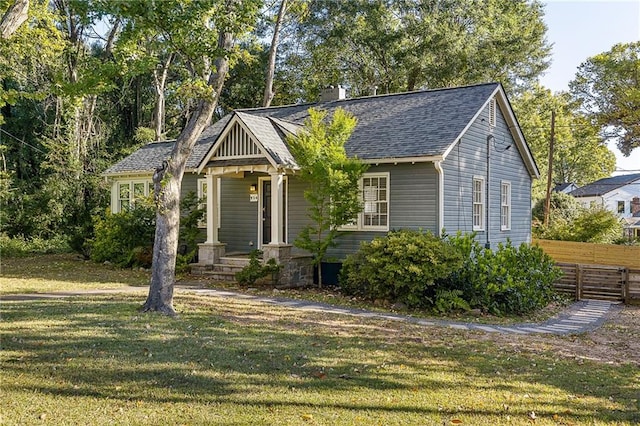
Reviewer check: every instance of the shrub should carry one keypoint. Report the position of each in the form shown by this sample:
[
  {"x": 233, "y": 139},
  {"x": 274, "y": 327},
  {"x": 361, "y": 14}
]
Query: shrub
[
  {"x": 20, "y": 246},
  {"x": 508, "y": 281},
  {"x": 122, "y": 238},
  {"x": 570, "y": 221},
  {"x": 256, "y": 269},
  {"x": 399, "y": 267},
  {"x": 191, "y": 214},
  {"x": 126, "y": 238}
]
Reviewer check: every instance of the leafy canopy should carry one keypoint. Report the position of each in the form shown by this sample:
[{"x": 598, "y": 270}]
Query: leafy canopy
[
  {"x": 580, "y": 153},
  {"x": 608, "y": 87}
]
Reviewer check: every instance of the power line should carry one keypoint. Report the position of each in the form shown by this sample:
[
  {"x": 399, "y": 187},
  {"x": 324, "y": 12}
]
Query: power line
[{"x": 22, "y": 141}]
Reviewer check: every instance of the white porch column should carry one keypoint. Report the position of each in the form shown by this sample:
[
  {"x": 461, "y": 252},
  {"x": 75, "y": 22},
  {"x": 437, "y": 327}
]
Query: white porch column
[
  {"x": 212, "y": 209},
  {"x": 277, "y": 191}
]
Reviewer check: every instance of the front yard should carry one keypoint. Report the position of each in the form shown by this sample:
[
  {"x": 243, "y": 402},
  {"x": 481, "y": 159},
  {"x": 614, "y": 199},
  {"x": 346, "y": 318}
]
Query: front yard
[{"x": 96, "y": 360}]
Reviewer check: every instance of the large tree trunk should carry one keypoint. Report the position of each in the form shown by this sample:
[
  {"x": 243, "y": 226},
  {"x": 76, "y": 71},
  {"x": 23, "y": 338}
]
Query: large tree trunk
[
  {"x": 271, "y": 67},
  {"x": 167, "y": 187},
  {"x": 15, "y": 16}
]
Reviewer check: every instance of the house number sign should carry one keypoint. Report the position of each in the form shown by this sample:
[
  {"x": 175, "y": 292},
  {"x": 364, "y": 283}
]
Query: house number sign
[{"x": 253, "y": 198}]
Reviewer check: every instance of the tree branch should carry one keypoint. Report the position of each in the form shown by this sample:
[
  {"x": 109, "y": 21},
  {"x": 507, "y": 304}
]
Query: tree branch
[{"x": 15, "y": 16}]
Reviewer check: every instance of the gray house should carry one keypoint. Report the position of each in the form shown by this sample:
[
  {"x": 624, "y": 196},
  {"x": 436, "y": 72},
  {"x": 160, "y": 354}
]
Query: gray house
[{"x": 452, "y": 159}]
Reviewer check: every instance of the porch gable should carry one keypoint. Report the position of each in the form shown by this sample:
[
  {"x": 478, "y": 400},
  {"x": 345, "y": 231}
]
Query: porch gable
[{"x": 249, "y": 140}]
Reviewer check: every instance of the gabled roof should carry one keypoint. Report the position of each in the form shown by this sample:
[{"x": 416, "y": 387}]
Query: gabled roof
[
  {"x": 268, "y": 134},
  {"x": 403, "y": 125},
  {"x": 603, "y": 186},
  {"x": 560, "y": 187},
  {"x": 423, "y": 125}
]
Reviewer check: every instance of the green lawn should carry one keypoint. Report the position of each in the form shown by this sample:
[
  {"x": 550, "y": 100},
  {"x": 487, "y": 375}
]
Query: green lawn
[
  {"x": 96, "y": 360},
  {"x": 63, "y": 272}
]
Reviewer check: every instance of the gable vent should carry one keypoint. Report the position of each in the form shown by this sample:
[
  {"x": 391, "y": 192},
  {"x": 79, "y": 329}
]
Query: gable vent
[
  {"x": 238, "y": 144},
  {"x": 492, "y": 113}
]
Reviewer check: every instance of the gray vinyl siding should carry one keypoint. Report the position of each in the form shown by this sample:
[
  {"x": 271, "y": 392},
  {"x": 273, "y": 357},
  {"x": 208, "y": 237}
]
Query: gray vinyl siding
[
  {"x": 468, "y": 159},
  {"x": 190, "y": 184},
  {"x": 238, "y": 215},
  {"x": 412, "y": 204},
  {"x": 297, "y": 207}
]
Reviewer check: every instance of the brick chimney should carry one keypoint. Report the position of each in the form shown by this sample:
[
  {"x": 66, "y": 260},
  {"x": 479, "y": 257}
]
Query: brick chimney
[
  {"x": 332, "y": 93},
  {"x": 635, "y": 207}
]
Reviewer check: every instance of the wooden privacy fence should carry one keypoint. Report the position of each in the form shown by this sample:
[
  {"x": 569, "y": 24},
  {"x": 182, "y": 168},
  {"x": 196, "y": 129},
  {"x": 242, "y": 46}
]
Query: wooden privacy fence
[
  {"x": 591, "y": 254},
  {"x": 599, "y": 282},
  {"x": 596, "y": 271}
]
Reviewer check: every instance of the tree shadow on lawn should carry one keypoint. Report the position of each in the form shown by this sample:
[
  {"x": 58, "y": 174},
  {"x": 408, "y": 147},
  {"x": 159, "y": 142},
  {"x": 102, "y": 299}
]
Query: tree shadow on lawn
[
  {"x": 70, "y": 268},
  {"x": 260, "y": 355}
]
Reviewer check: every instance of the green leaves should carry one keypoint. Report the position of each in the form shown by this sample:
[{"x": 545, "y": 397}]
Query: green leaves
[
  {"x": 580, "y": 154},
  {"x": 331, "y": 178},
  {"x": 608, "y": 88},
  {"x": 399, "y": 45},
  {"x": 399, "y": 267}
]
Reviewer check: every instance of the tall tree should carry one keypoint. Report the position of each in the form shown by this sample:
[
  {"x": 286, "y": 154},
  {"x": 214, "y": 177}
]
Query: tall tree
[
  {"x": 398, "y": 45},
  {"x": 273, "y": 50},
  {"x": 204, "y": 33},
  {"x": 608, "y": 87},
  {"x": 331, "y": 178},
  {"x": 580, "y": 154}
]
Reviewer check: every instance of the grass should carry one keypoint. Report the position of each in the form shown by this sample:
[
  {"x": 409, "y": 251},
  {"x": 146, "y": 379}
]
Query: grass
[
  {"x": 95, "y": 360},
  {"x": 330, "y": 296},
  {"x": 63, "y": 272}
]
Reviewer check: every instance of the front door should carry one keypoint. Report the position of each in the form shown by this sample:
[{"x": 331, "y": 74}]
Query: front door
[{"x": 265, "y": 207}]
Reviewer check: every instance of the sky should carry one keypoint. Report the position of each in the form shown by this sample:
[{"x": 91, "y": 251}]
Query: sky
[{"x": 579, "y": 29}]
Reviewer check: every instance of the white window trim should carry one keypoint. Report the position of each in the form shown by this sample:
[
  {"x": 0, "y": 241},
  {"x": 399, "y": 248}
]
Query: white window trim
[
  {"x": 359, "y": 225},
  {"x": 148, "y": 185},
  {"x": 202, "y": 193},
  {"x": 505, "y": 184},
  {"x": 483, "y": 200}
]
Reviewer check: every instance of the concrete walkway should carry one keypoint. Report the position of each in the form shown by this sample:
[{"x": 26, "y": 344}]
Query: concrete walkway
[{"x": 580, "y": 317}]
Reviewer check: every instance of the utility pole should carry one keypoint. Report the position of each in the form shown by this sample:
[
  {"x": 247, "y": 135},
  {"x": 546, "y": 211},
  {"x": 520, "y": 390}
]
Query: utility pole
[{"x": 547, "y": 201}]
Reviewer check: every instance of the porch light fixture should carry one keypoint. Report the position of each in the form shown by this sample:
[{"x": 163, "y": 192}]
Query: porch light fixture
[{"x": 253, "y": 188}]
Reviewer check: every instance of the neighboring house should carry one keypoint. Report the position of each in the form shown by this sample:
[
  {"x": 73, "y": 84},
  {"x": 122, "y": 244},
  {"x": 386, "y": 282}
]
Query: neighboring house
[
  {"x": 452, "y": 159},
  {"x": 565, "y": 187},
  {"x": 616, "y": 194}
]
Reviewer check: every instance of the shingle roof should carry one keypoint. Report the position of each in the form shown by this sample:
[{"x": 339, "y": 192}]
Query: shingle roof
[
  {"x": 562, "y": 186},
  {"x": 602, "y": 186},
  {"x": 150, "y": 156},
  {"x": 270, "y": 136},
  {"x": 404, "y": 125},
  {"x": 413, "y": 124}
]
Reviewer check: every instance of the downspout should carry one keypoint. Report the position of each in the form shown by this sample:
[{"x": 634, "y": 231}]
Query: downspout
[
  {"x": 487, "y": 198},
  {"x": 440, "y": 221}
]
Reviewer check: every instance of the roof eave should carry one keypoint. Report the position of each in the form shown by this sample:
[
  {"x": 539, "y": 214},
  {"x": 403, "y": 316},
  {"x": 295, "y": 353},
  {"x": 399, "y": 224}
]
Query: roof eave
[
  {"x": 139, "y": 173},
  {"x": 399, "y": 160}
]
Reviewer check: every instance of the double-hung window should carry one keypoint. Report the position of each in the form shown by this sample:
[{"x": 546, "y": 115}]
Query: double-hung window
[
  {"x": 374, "y": 193},
  {"x": 202, "y": 197},
  {"x": 478, "y": 196},
  {"x": 505, "y": 206},
  {"x": 129, "y": 192}
]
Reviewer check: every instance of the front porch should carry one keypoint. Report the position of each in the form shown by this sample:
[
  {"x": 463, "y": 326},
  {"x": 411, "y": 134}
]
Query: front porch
[{"x": 246, "y": 191}]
